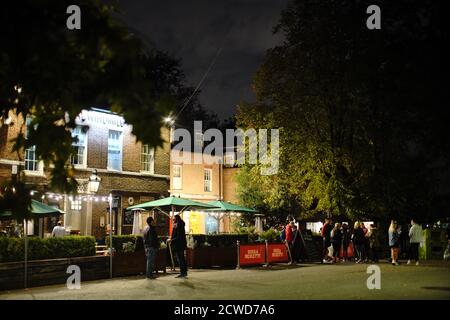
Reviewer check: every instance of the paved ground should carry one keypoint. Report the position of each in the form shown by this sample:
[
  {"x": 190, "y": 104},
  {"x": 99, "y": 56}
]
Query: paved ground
[{"x": 306, "y": 281}]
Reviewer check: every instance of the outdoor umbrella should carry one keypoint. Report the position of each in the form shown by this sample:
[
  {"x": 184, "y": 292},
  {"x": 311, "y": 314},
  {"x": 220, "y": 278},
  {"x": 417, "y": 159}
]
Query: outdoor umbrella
[
  {"x": 38, "y": 210},
  {"x": 225, "y": 206},
  {"x": 173, "y": 204}
]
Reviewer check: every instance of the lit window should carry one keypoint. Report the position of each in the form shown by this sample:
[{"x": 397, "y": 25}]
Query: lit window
[
  {"x": 75, "y": 205},
  {"x": 147, "y": 159},
  {"x": 115, "y": 150},
  {"x": 31, "y": 161},
  {"x": 79, "y": 158},
  {"x": 177, "y": 177},
  {"x": 208, "y": 180}
]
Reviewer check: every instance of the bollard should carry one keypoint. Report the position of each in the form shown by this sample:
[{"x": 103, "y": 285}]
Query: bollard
[
  {"x": 169, "y": 243},
  {"x": 267, "y": 254},
  {"x": 289, "y": 251},
  {"x": 238, "y": 251}
]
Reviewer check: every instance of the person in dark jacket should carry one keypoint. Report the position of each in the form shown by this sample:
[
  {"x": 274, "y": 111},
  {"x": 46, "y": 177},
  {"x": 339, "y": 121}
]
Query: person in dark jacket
[
  {"x": 326, "y": 235},
  {"x": 373, "y": 238},
  {"x": 151, "y": 245},
  {"x": 179, "y": 244},
  {"x": 359, "y": 240},
  {"x": 346, "y": 239},
  {"x": 296, "y": 245}
]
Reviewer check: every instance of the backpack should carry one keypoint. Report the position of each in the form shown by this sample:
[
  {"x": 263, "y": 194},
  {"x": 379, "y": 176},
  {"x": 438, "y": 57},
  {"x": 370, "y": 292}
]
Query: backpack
[{"x": 283, "y": 234}]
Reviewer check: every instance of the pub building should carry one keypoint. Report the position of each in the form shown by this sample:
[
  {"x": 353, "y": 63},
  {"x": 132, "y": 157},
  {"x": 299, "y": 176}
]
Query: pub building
[
  {"x": 211, "y": 180},
  {"x": 108, "y": 160}
]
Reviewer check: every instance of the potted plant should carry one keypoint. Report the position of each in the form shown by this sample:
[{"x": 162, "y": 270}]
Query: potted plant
[
  {"x": 205, "y": 251},
  {"x": 129, "y": 256}
]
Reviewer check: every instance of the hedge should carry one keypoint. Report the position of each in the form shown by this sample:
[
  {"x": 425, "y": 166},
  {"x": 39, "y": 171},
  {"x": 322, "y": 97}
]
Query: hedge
[
  {"x": 220, "y": 240},
  {"x": 136, "y": 240},
  {"x": 12, "y": 249}
]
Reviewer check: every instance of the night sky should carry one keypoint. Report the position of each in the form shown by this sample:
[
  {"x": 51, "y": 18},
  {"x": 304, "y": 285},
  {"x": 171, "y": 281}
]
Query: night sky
[{"x": 195, "y": 30}]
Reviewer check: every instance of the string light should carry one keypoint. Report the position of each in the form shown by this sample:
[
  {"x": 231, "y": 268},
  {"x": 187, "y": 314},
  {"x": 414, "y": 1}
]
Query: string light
[{"x": 71, "y": 198}]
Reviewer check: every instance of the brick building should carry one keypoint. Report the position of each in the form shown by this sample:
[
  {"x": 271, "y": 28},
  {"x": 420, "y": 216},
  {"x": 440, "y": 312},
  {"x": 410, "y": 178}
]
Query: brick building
[
  {"x": 130, "y": 171},
  {"x": 206, "y": 182}
]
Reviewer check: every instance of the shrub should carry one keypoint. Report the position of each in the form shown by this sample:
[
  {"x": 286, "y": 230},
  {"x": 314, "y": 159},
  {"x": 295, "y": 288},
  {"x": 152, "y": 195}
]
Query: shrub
[
  {"x": 270, "y": 235},
  {"x": 136, "y": 242},
  {"x": 217, "y": 240},
  {"x": 128, "y": 247},
  {"x": 12, "y": 249}
]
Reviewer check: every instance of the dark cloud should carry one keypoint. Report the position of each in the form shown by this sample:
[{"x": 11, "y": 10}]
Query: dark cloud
[{"x": 194, "y": 30}]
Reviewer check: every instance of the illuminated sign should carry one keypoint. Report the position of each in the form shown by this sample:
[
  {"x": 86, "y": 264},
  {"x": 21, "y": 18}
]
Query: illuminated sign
[
  {"x": 197, "y": 222},
  {"x": 100, "y": 118}
]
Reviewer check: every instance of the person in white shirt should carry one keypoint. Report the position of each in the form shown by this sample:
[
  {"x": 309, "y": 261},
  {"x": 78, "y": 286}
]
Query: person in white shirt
[
  {"x": 415, "y": 237},
  {"x": 59, "y": 230}
]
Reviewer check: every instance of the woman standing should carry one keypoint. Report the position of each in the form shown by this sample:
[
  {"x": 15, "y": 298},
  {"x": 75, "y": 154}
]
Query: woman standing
[
  {"x": 336, "y": 241},
  {"x": 394, "y": 237},
  {"x": 359, "y": 242},
  {"x": 346, "y": 239},
  {"x": 374, "y": 243}
]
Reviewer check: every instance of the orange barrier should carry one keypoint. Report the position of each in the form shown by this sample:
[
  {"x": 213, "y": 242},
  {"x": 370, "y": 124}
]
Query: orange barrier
[
  {"x": 251, "y": 254},
  {"x": 277, "y": 252}
]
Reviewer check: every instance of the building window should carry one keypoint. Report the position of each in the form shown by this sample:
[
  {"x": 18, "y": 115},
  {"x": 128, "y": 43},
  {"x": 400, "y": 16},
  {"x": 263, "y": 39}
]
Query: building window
[
  {"x": 177, "y": 177},
  {"x": 147, "y": 159},
  {"x": 75, "y": 205},
  {"x": 31, "y": 161},
  {"x": 208, "y": 180},
  {"x": 79, "y": 158},
  {"x": 115, "y": 150}
]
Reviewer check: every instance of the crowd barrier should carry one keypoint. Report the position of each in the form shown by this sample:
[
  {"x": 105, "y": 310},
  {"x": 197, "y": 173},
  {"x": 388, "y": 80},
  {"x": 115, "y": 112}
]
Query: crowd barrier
[{"x": 262, "y": 254}]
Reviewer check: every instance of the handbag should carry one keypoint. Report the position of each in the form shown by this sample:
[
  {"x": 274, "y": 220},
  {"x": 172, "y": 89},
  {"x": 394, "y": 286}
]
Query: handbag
[{"x": 330, "y": 251}]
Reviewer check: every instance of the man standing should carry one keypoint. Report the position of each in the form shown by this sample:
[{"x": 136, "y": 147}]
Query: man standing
[
  {"x": 290, "y": 231},
  {"x": 59, "y": 231},
  {"x": 326, "y": 235},
  {"x": 151, "y": 245},
  {"x": 415, "y": 237},
  {"x": 179, "y": 244}
]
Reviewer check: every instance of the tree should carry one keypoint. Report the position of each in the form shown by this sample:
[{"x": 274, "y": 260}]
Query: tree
[
  {"x": 352, "y": 107},
  {"x": 50, "y": 73}
]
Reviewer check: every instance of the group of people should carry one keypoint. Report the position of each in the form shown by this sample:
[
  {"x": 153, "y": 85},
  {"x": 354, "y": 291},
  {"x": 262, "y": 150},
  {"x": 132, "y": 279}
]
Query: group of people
[
  {"x": 177, "y": 242},
  {"x": 291, "y": 234},
  {"x": 338, "y": 237},
  {"x": 415, "y": 237},
  {"x": 367, "y": 243}
]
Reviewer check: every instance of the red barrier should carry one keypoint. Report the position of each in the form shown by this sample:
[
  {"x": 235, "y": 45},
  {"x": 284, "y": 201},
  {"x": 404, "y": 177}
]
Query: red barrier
[
  {"x": 252, "y": 254},
  {"x": 350, "y": 251},
  {"x": 278, "y": 252}
]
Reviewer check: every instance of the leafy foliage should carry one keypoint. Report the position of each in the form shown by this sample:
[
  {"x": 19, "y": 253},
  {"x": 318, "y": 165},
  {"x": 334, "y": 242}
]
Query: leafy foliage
[
  {"x": 12, "y": 249},
  {"x": 218, "y": 240},
  {"x": 49, "y": 74},
  {"x": 270, "y": 235},
  {"x": 354, "y": 112},
  {"x": 123, "y": 243}
]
